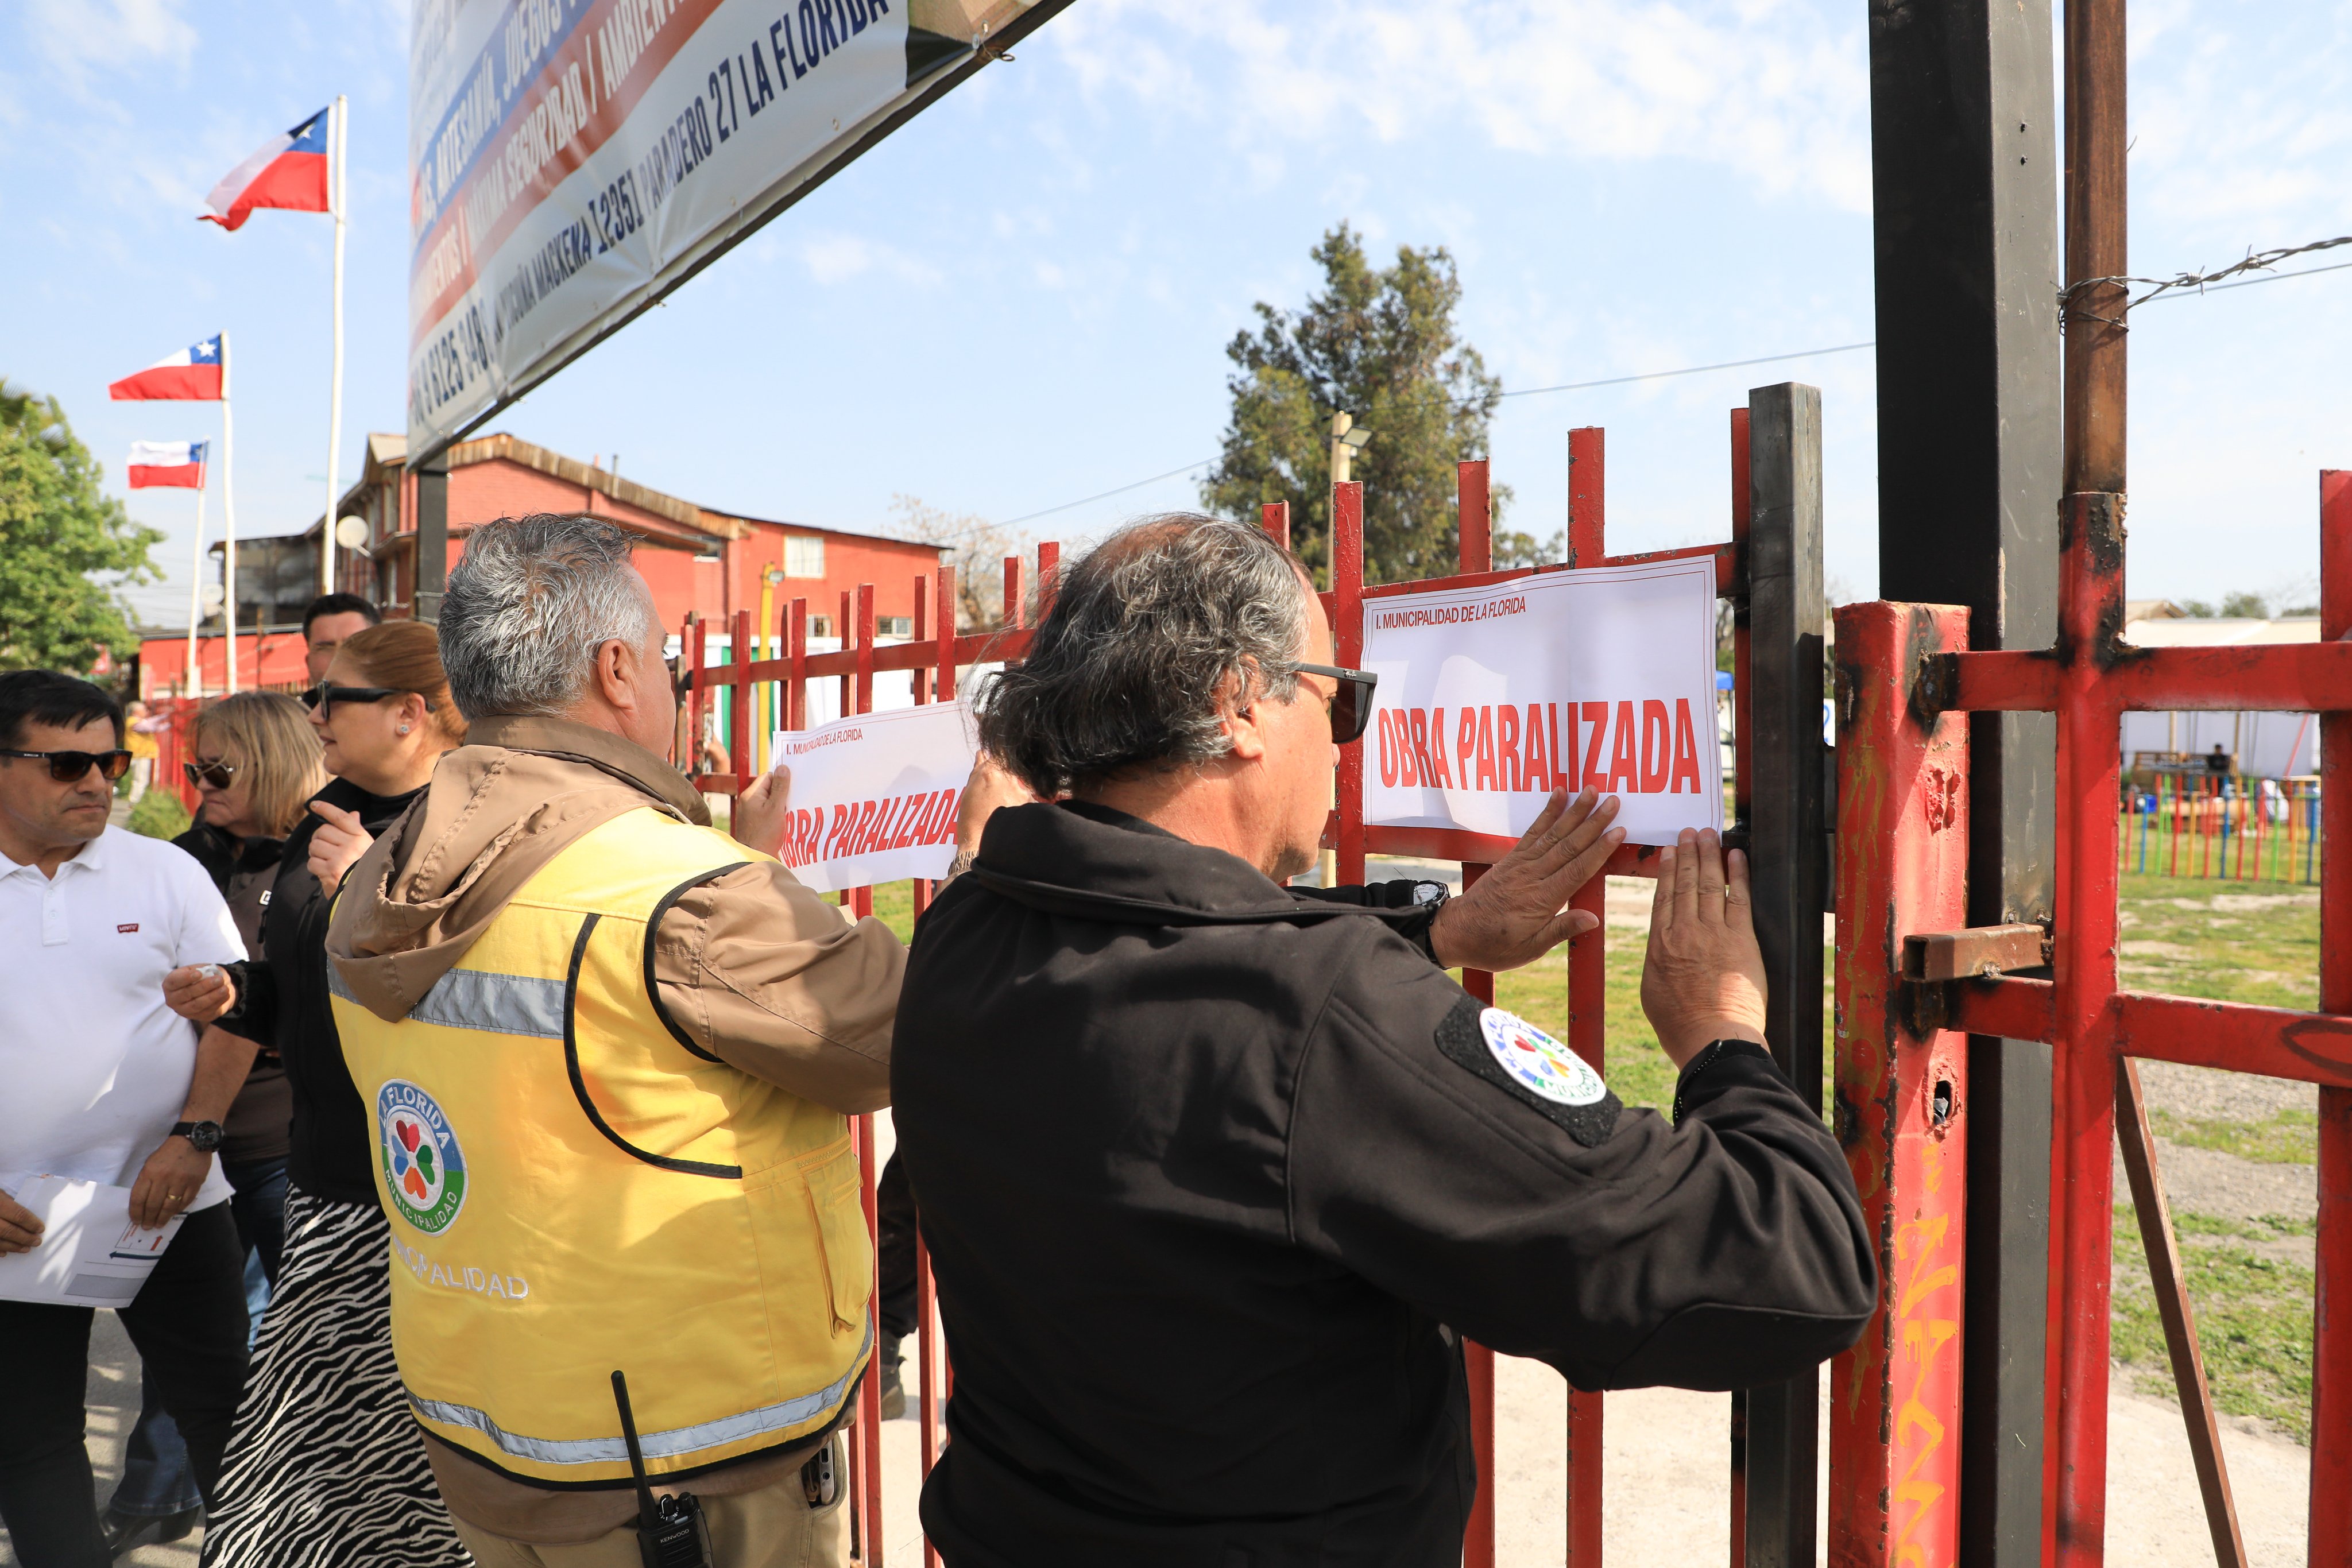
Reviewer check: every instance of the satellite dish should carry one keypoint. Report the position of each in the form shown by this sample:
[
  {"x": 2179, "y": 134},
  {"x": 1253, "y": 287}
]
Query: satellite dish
[
  {"x": 212, "y": 598},
  {"x": 352, "y": 532}
]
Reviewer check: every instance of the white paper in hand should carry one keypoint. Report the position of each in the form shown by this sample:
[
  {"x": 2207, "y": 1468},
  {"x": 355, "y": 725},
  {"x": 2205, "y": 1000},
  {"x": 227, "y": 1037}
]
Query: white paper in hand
[
  {"x": 91, "y": 1255},
  {"x": 874, "y": 795}
]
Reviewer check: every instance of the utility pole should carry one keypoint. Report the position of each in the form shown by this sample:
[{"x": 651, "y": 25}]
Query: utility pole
[
  {"x": 1965, "y": 175},
  {"x": 1346, "y": 442}
]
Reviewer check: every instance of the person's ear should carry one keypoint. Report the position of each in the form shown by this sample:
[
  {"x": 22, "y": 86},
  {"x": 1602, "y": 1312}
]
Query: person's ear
[
  {"x": 617, "y": 674},
  {"x": 1246, "y": 735},
  {"x": 412, "y": 715}
]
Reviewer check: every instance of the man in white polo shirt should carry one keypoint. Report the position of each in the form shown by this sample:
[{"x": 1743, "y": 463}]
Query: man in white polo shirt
[{"x": 100, "y": 1081}]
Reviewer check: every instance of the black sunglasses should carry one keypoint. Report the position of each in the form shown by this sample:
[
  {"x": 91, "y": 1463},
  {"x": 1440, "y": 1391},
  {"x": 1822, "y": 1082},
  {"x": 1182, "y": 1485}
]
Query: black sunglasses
[
  {"x": 1351, "y": 705},
  {"x": 217, "y": 774},
  {"x": 326, "y": 694},
  {"x": 69, "y": 766}
]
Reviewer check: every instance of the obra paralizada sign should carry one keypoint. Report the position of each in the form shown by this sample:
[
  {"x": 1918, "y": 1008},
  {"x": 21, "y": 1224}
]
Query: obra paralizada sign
[{"x": 1490, "y": 696}]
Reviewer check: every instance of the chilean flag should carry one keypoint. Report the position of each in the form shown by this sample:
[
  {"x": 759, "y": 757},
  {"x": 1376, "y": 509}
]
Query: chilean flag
[
  {"x": 179, "y": 464},
  {"x": 193, "y": 374},
  {"x": 287, "y": 170}
]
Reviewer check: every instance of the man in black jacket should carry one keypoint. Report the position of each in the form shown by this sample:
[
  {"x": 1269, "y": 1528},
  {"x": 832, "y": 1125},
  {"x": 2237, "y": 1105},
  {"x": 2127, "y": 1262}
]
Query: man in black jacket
[{"x": 1216, "y": 1174}]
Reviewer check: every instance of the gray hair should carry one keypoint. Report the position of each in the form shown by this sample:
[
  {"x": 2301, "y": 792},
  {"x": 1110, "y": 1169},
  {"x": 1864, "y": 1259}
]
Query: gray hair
[
  {"x": 1146, "y": 641},
  {"x": 527, "y": 607}
]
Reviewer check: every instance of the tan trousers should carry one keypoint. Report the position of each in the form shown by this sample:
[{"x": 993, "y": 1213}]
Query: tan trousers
[{"x": 775, "y": 1527}]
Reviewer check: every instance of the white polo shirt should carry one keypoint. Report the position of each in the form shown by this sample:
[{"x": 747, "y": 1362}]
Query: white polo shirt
[{"x": 94, "y": 1068}]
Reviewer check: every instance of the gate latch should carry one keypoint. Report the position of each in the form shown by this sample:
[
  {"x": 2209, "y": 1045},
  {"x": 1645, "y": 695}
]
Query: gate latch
[{"x": 1934, "y": 961}]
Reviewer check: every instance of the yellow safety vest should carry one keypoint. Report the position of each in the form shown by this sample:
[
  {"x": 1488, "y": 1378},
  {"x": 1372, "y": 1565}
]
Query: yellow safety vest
[{"x": 574, "y": 1188}]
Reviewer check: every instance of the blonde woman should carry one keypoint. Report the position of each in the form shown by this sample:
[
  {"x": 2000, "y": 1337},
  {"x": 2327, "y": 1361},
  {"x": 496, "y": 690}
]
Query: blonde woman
[
  {"x": 324, "y": 1467},
  {"x": 255, "y": 765}
]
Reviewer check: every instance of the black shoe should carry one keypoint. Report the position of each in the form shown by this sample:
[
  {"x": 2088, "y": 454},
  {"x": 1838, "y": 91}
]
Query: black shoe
[
  {"x": 128, "y": 1532},
  {"x": 893, "y": 1391}
]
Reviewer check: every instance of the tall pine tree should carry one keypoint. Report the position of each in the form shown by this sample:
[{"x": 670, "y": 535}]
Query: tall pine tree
[{"x": 1381, "y": 345}]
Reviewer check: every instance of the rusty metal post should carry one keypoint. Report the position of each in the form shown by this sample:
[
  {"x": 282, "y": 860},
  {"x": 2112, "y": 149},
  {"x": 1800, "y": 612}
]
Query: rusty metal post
[
  {"x": 1274, "y": 518},
  {"x": 738, "y": 700},
  {"x": 2331, "y": 1392},
  {"x": 1902, "y": 1090},
  {"x": 2096, "y": 199},
  {"x": 1788, "y": 860},
  {"x": 1348, "y": 637}
]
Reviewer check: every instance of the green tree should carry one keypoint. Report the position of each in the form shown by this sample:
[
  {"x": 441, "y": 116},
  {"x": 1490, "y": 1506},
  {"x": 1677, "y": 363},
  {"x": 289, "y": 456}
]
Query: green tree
[
  {"x": 56, "y": 530},
  {"x": 1380, "y": 344}
]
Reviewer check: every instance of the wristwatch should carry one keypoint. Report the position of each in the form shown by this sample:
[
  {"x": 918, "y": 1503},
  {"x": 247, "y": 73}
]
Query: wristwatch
[{"x": 204, "y": 1135}]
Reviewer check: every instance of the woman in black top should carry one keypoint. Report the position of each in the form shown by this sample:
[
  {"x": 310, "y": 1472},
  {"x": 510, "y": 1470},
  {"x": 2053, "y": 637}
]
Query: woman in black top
[{"x": 323, "y": 1467}]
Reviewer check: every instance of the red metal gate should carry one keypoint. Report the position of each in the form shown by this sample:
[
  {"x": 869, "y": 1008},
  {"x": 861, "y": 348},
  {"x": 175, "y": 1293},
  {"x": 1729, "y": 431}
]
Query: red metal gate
[
  {"x": 1904, "y": 679},
  {"x": 1785, "y": 1530}
]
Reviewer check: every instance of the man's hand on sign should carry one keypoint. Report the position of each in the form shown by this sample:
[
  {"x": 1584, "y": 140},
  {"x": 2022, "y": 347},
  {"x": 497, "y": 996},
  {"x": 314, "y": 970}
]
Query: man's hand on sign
[
  {"x": 199, "y": 992},
  {"x": 20, "y": 1228},
  {"x": 1516, "y": 911},
  {"x": 1704, "y": 977},
  {"x": 990, "y": 787},
  {"x": 763, "y": 811}
]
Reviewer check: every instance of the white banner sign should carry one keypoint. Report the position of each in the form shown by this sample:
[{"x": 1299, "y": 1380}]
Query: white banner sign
[
  {"x": 569, "y": 159},
  {"x": 1489, "y": 696},
  {"x": 874, "y": 795}
]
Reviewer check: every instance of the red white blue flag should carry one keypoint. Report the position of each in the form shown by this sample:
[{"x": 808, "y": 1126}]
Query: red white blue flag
[
  {"x": 177, "y": 464},
  {"x": 193, "y": 374},
  {"x": 289, "y": 170}
]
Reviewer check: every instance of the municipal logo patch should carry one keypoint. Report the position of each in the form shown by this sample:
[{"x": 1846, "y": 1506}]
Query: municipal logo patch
[
  {"x": 1540, "y": 1062},
  {"x": 423, "y": 1169},
  {"x": 1531, "y": 1067}
]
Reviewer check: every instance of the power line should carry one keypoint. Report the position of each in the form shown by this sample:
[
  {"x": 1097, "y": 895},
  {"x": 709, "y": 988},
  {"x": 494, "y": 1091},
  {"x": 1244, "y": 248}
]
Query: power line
[{"x": 1522, "y": 391}]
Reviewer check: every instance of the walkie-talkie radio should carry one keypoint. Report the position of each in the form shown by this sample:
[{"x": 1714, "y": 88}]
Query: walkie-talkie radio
[{"x": 670, "y": 1530}]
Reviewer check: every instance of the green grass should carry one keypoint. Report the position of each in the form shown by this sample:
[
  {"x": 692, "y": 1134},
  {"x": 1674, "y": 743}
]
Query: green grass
[
  {"x": 159, "y": 815},
  {"x": 2175, "y": 941},
  {"x": 2289, "y": 1137},
  {"x": 2253, "y": 1314}
]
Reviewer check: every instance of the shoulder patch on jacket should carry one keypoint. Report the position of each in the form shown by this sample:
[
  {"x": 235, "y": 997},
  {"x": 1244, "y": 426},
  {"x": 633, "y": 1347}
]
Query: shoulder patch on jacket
[{"x": 1531, "y": 1065}]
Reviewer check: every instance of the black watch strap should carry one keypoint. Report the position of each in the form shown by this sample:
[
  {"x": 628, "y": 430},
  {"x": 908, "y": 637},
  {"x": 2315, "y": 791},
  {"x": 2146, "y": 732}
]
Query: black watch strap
[
  {"x": 204, "y": 1135},
  {"x": 1710, "y": 1053}
]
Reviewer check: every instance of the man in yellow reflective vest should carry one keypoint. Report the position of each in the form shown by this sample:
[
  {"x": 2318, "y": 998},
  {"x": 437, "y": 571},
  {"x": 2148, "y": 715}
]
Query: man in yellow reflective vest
[{"x": 610, "y": 1052}]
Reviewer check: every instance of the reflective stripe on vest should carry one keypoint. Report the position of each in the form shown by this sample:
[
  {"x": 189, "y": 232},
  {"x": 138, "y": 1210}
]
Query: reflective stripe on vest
[
  {"x": 676, "y": 1443},
  {"x": 475, "y": 998}
]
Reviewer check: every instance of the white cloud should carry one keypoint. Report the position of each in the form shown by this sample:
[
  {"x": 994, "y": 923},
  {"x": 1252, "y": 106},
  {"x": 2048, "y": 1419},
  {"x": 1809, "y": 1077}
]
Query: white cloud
[
  {"x": 1775, "y": 89},
  {"x": 75, "y": 35},
  {"x": 838, "y": 258}
]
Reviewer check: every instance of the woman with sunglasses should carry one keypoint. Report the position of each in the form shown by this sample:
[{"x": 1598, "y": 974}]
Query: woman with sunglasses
[
  {"x": 323, "y": 1466},
  {"x": 255, "y": 764}
]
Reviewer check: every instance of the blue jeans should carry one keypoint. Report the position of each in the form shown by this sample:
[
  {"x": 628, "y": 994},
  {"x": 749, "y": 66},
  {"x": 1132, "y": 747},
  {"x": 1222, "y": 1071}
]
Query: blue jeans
[{"x": 156, "y": 1480}]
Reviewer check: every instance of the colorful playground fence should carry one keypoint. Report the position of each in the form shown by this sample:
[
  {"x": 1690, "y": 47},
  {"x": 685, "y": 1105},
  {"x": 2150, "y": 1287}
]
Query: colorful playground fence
[{"x": 2228, "y": 829}]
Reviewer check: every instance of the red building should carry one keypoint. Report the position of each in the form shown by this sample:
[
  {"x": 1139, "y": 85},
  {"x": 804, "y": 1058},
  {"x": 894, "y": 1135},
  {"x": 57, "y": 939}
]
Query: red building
[{"x": 698, "y": 561}]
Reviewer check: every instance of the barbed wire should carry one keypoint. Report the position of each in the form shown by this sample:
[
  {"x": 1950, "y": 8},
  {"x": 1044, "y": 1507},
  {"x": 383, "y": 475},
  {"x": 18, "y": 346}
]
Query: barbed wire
[{"x": 2262, "y": 261}]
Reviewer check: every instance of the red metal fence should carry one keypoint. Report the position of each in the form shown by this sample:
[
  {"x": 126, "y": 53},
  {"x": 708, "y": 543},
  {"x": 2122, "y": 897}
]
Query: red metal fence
[
  {"x": 934, "y": 658},
  {"x": 1905, "y": 677}
]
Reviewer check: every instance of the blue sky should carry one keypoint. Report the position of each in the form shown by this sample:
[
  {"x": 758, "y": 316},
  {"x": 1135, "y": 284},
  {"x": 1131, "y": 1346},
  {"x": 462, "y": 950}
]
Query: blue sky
[{"x": 1022, "y": 299}]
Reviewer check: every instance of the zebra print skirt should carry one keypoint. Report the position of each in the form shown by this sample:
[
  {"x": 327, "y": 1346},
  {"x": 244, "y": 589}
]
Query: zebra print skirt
[{"x": 325, "y": 1465}]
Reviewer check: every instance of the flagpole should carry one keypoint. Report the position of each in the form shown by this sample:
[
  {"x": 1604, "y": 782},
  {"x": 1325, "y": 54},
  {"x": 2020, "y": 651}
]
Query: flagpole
[
  {"x": 228, "y": 522},
  {"x": 197, "y": 590},
  {"x": 339, "y": 132}
]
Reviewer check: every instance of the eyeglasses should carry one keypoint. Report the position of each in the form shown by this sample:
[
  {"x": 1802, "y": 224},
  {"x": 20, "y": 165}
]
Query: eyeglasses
[
  {"x": 69, "y": 767},
  {"x": 217, "y": 774},
  {"x": 1351, "y": 705},
  {"x": 326, "y": 694}
]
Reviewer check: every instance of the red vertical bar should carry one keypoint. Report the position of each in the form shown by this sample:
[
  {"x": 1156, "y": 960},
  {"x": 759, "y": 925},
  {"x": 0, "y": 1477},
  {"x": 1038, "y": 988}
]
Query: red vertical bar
[
  {"x": 2083, "y": 1066},
  {"x": 1347, "y": 636},
  {"x": 796, "y": 649},
  {"x": 1587, "y": 989},
  {"x": 1587, "y": 482},
  {"x": 865, "y": 647},
  {"x": 1049, "y": 563},
  {"x": 1895, "y": 1397},
  {"x": 920, "y": 679},
  {"x": 843, "y": 629},
  {"x": 946, "y": 633},
  {"x": 2331, "y": 1331},
  {"x": 739, "y": 707},
  {"x": 1274, "y": 518},
  {"x": 1014, "y": 617},
  {"x": 1477, "y": 1360}
]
